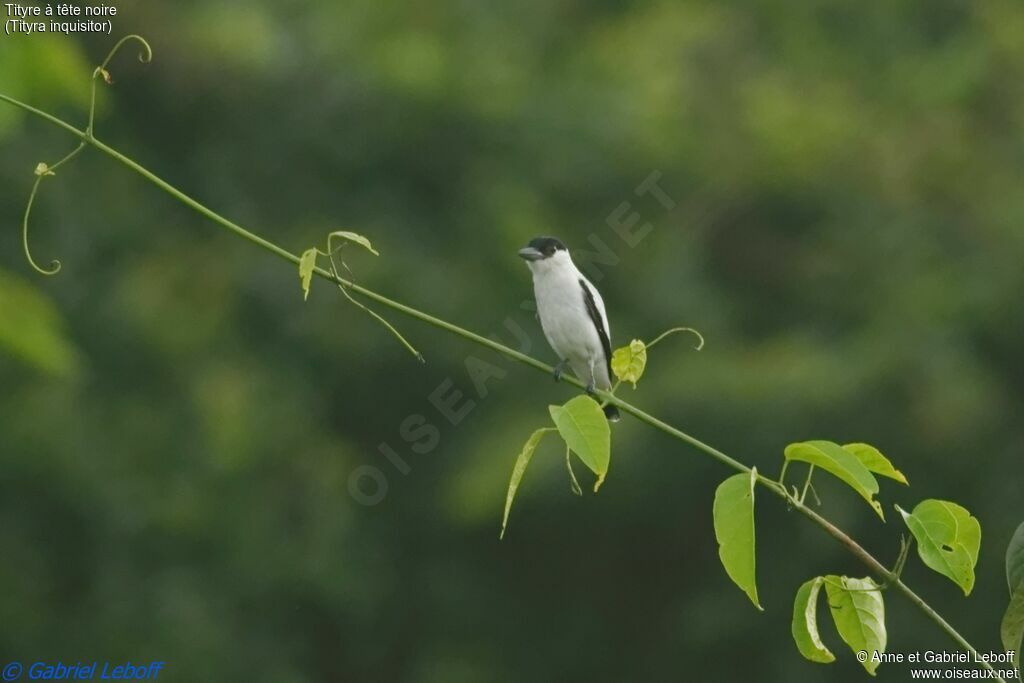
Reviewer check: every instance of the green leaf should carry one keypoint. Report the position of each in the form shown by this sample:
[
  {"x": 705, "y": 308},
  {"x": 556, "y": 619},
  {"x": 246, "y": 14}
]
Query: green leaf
[
  {"x": 841, "y": 463},
  {"x": 859, "y": 613},
  {"x": 948, "y": 539},
  {"x": 1012, "y": 629},
  {"x": 734, "y": 530},
  {"x": 1013, "y": 621},
  {"x": 522, "y": 461},
  {"x": 873, "y": 459},
  {"x": 628, "y": 362},
  {"x": 805, "y": 623},
  {"x": 585, "y": 429},
  {"x": 355, "y": 238},
  {"x": 307, "y": 263},
  {"x": 1015, "y": 559}
]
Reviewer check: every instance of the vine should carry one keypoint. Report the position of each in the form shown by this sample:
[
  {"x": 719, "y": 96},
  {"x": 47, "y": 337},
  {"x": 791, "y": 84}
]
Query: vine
[
  {"x": 44, "y": 170},
  {"x": 947, "y": 536}
]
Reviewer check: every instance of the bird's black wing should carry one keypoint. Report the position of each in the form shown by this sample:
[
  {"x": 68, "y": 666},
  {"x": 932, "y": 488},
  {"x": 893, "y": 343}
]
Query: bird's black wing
[{"x": 598, "y": 320}]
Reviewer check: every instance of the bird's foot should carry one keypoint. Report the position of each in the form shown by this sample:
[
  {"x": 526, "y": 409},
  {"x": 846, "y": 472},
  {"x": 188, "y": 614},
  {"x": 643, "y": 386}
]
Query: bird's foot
[
  {"x": 559, "y": 369},
  {"x": 590, "y": 387}
]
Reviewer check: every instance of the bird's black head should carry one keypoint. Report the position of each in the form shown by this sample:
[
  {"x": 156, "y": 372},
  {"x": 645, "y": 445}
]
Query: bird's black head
[{"x": 541, "y": 248}]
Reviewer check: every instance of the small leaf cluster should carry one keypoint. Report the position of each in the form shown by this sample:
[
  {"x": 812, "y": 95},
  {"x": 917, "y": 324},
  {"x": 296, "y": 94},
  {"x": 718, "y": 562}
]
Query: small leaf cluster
[
  {"x": 584, "y": 430},
  {"x": 308, "y": 266},
  {"x": 580, "y": 422},
  {"x": 948, "y": 541}
]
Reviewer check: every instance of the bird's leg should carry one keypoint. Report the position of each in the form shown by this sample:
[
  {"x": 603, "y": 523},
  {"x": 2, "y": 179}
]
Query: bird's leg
[
  {"x": 591, "y": 385},
  {"x": 560, "y": 368}
]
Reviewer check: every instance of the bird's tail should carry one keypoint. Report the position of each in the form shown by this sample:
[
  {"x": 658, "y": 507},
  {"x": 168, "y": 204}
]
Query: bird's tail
[{"x": 612, "y": 413}]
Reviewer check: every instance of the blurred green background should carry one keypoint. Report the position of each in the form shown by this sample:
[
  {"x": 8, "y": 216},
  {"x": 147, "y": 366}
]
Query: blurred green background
[{"x": 178, "y": 430}]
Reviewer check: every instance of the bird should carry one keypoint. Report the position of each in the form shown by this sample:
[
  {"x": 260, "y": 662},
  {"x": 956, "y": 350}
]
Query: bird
[{"x": 572, "y": 315}]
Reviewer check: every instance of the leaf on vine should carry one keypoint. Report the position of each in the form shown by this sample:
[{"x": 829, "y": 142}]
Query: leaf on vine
[
  {"x": 841, "y": 463},
  {"x": 948, "y": 539},
  {"x": 307, "y": 264},
  {"x": 805, "y": 623},
  {"x": 859, "y": 614},
  {"x": 873, "y": 459},
  {"x": 734, "y": 530},
  {"x": 355, "y": 238},
  {"x": 1015, "y": 559},
  {"x": 1012, "y": 628},
  {"x": 522, "y": 461},
  {"x": 582, "y": 424},
  {"x": 628, "y": 362}
]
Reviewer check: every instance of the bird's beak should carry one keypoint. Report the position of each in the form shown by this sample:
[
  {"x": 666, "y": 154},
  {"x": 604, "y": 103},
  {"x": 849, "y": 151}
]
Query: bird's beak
[{"x": 530, "y": 254}]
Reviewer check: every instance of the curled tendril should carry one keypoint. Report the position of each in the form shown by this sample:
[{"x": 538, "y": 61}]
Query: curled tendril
[
  {"x": 55, "y": 264},
  {"x": 42, "y": 172},
  {"x": 331, "y": 251},
  {"x": 145, "y": 56},
  {"x": 698, "y": 335},
  {"x": 145, "y": 52},
  {"x": 45, "y": 171}
]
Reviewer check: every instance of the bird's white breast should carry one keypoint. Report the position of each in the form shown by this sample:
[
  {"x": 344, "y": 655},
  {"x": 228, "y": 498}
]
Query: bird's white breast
[{"x": 567, "y": 325}]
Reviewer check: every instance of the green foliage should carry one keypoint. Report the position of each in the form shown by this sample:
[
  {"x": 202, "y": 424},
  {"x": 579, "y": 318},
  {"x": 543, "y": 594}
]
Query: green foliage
[
  {"x": 734, "y": 531},
  {"x": 585, "y": 430},
  {"x": 1012, "y": 627},
  {"x": 628, "y": 362},
  {"x": 873, "y": 459},
  {"x": 948, "y": 539},
  {"x": 522, "y": 462},
  {"x": 805, "y": 623},
  {"x": 858, "y": 611},
  {"x": 840, "y": 462},
  {"x": 816, "y": 220},
  {"x": 1015, "y": 558},
  {"x": 1011, "y": 630},
  {"x": 307, "y": 264},
  {"x": 307, "y": 267},
  {"x": 355, "y": 238}
]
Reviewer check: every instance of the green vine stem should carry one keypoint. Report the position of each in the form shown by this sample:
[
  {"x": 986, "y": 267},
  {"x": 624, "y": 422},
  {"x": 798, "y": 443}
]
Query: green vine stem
[
  {"x": 145, "y": 56},
  {"x": 44, "y": 171},
  {"x": 391, "y": 328},
  {"x": 875, "y": 567}
]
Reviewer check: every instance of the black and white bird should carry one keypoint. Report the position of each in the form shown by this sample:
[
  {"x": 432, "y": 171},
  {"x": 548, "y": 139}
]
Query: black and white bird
[{"x": 572, "y": 315}]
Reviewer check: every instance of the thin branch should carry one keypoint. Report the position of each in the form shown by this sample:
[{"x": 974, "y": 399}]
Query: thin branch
[{"x": 859, "y": 552}]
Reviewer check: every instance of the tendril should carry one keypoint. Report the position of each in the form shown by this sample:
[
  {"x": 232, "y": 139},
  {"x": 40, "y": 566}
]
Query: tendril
[
  {"x": 145, "y": 52},
  {"x": 391, "y": 328},
  {"x": 145, "y": 56},
  {"x": 700, "y": 337},
  {"x": 44, "y": 170},
  {"x": 54, "y": 264}
]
